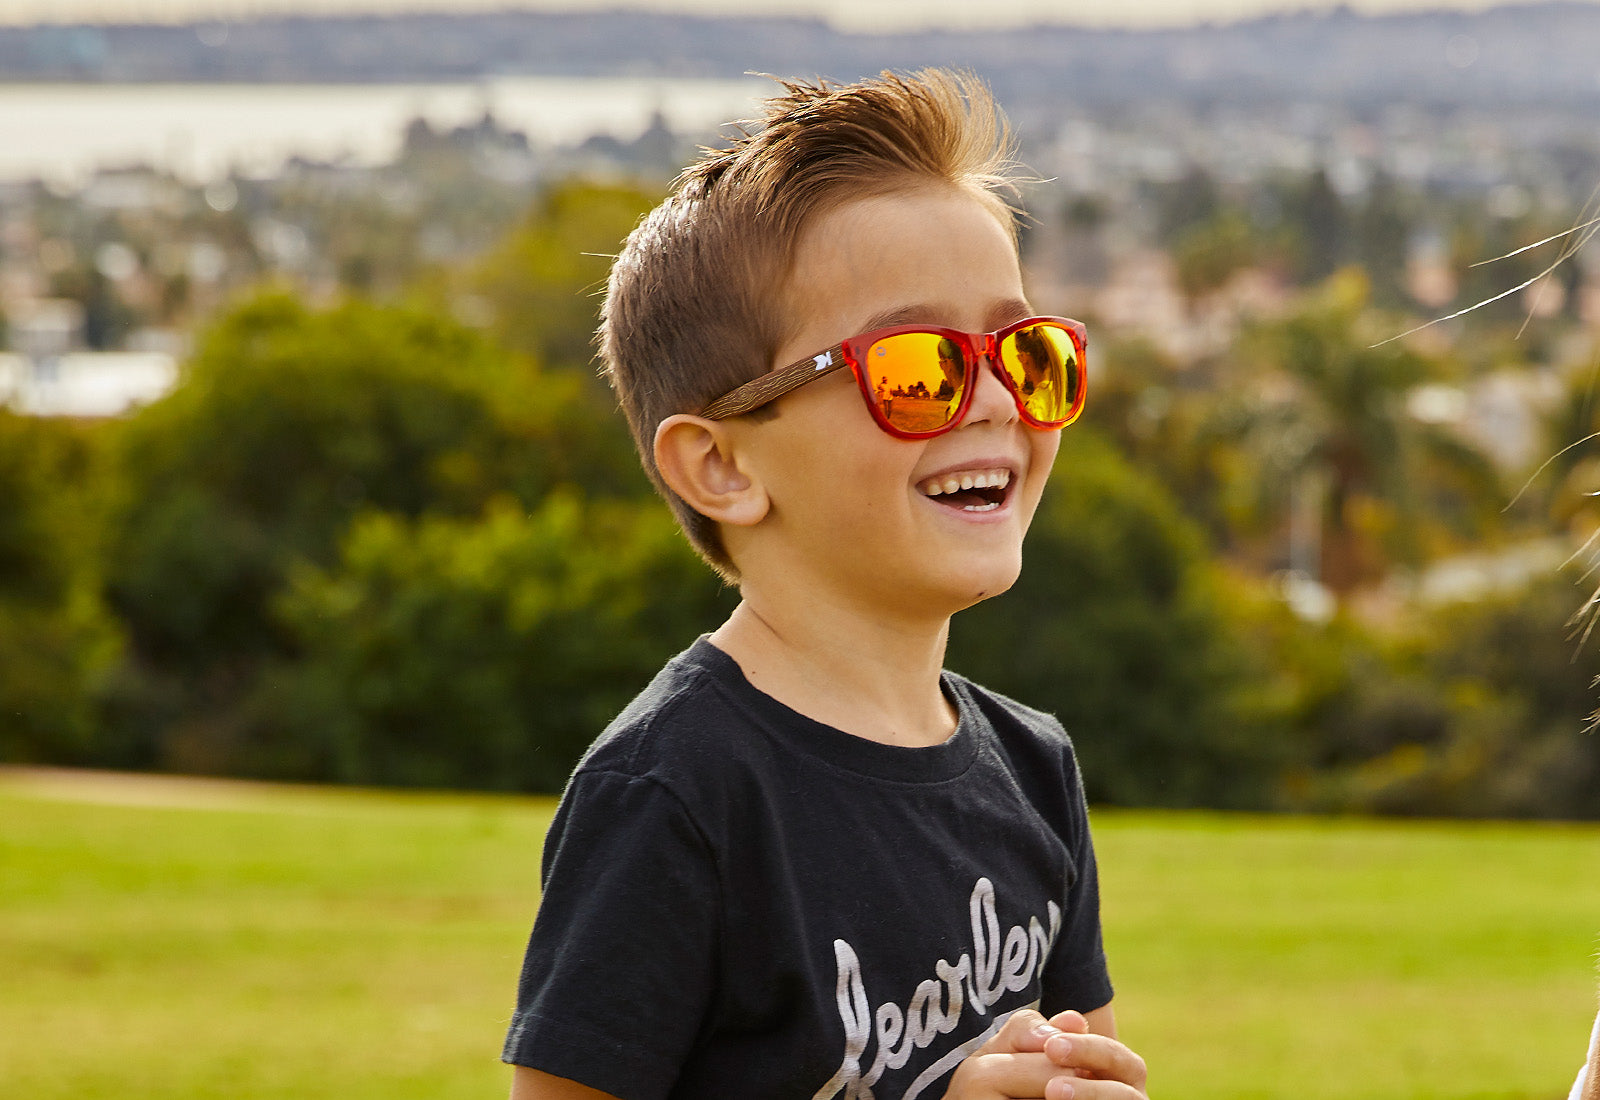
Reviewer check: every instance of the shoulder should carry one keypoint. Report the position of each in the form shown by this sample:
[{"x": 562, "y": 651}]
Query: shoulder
[
  {"x": 1010, "y": 720},
  {"x": 654, "y": 779},
  {"x": 688, "y": 725},
  {"x": 1031, "y": 744}
]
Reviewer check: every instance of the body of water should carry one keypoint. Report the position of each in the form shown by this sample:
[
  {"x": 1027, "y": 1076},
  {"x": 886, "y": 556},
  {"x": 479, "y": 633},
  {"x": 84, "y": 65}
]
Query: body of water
[{"x": 201, "y": 131}]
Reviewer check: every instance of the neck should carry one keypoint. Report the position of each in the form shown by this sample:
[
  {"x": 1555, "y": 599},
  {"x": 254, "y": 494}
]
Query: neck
[{"x": 859, "y": 672}]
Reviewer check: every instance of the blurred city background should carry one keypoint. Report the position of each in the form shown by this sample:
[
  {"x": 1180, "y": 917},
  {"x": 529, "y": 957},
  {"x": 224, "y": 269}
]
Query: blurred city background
[{"x": 306, "y": 472}]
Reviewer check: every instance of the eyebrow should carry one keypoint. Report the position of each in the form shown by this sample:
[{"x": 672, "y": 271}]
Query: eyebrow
[{"x": 1000, "y": 314}]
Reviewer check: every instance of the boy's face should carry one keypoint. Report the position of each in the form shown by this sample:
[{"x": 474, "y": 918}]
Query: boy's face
[{"x": 864, "y": 517}]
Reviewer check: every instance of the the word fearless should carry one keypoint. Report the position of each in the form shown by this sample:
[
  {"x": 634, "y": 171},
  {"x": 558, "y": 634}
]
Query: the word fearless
[{"x": 976, "y": 981}]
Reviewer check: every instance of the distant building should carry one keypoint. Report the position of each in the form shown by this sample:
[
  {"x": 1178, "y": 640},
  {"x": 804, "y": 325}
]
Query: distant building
[
  {"x": 656, "y": 151},
  {"x": 136, "y": 187},
  {"x": 1502, "y": 414},
  {"x": 43, "y": 327},
  {"x": 85, "y": 384}
]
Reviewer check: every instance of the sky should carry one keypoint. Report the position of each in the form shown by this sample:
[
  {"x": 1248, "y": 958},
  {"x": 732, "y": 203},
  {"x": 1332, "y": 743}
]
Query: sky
[{"x": 847, "y": 14}]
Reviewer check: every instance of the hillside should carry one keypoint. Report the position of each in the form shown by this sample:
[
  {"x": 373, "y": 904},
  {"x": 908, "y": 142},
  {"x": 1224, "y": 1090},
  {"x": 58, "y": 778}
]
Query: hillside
[{"x": 1541, "y": 54}]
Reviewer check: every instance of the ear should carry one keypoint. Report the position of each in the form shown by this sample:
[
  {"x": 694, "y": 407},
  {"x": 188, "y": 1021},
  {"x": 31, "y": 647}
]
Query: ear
[{"x": 700, "y": 461}]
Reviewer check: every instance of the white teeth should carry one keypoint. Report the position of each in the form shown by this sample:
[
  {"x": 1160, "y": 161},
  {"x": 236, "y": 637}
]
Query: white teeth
[{"x": 955, "y": 483}]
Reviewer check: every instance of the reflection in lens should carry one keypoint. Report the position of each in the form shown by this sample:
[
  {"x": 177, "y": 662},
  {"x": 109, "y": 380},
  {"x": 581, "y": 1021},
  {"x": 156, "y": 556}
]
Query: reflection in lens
[
  {"x": 1042, "y": 362},
  {"x": 916, "y": 379}
]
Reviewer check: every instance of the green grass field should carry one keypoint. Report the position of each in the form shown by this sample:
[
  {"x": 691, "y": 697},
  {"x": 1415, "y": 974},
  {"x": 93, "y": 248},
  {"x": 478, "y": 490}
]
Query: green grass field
[{"x": 180, "y": 939}]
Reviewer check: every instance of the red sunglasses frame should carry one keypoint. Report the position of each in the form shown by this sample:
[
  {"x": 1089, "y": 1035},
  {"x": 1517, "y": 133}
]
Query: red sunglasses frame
[{"x": 976, "y": 347}]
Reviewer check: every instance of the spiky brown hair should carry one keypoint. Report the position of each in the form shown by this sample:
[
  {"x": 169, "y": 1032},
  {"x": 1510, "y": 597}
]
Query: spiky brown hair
[{"x": 695, "y": 302}]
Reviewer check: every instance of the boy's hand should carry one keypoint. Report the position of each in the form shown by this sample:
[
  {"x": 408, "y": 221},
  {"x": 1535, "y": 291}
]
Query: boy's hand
[{"x": 1032, "y": 1058}]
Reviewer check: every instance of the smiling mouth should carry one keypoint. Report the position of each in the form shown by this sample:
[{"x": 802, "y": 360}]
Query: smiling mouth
[{"x": 968, "y": 490}]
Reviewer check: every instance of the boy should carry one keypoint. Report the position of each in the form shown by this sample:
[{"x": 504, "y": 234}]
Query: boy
[{"x": 806, "y": 862}]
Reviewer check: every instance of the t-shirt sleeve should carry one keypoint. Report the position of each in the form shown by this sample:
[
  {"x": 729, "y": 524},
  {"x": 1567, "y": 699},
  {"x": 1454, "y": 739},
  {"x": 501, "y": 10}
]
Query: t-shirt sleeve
[
  {"x": 1077, "y": 976},
  {"x": 619, "y": 969}
]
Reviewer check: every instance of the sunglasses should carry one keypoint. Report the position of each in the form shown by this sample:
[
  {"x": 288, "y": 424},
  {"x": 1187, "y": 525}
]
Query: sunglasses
[{"x": 918, "y": 380}]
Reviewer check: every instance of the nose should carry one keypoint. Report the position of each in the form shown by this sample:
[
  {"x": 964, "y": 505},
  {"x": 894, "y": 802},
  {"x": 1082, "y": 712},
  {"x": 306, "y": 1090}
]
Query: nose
[{"x": 991, "y": 400}]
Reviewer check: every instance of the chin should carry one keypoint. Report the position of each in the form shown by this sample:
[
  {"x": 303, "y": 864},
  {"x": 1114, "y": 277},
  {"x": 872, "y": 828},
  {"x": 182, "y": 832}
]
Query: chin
[{"x": 983, "y": 584}]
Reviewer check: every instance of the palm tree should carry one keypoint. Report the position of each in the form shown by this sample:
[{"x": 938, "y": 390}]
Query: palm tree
[{"x": 1334, "y": 456}]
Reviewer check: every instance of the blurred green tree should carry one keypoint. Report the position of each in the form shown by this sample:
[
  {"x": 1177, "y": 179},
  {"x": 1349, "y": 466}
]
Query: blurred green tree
[
  {"x": 1323, "y": 418},
  {"x": 56, "y": 639},
  {"x": 1382, "y": 226},
  {"x": 543, "y": 284},
  {"x": 1477, "y": 711},
  {"x": 1115, "y": 626},
  {"x": 1208, "y": 253},
  {"x": 1322, "y": 223},
  {"x": 483, "y": 652},
  {"x": 1184, "y": 202},
  {"x": 288, "y": 423}
]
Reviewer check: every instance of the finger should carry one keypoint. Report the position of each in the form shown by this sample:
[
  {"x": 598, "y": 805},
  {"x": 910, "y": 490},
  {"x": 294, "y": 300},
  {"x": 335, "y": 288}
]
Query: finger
[
  {"x": 1098, "y": 1056},
  {"x": 1067, "y": 1088},
  {"x": 1025, "y": 1032},
  {"x": 1010, "y": 1075},
  {"x": 1075, "y": 1023}
]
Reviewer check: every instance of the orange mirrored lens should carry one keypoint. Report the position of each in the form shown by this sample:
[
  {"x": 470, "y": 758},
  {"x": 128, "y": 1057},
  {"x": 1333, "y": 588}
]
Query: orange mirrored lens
[
  {"x": 916, "y": 379},
  {"x": 1042, "y": 362}
]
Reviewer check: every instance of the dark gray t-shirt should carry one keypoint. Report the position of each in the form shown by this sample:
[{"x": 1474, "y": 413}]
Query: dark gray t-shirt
[{"x": 740, "y": 902}]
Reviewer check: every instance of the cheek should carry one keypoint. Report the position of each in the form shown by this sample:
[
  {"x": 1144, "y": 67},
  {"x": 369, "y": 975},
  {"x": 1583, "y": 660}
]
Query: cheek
[
  {"x": 876, "y": 477},
  {"x": 846, "y": 473},
  {"x": 1044, "y": 448}
]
